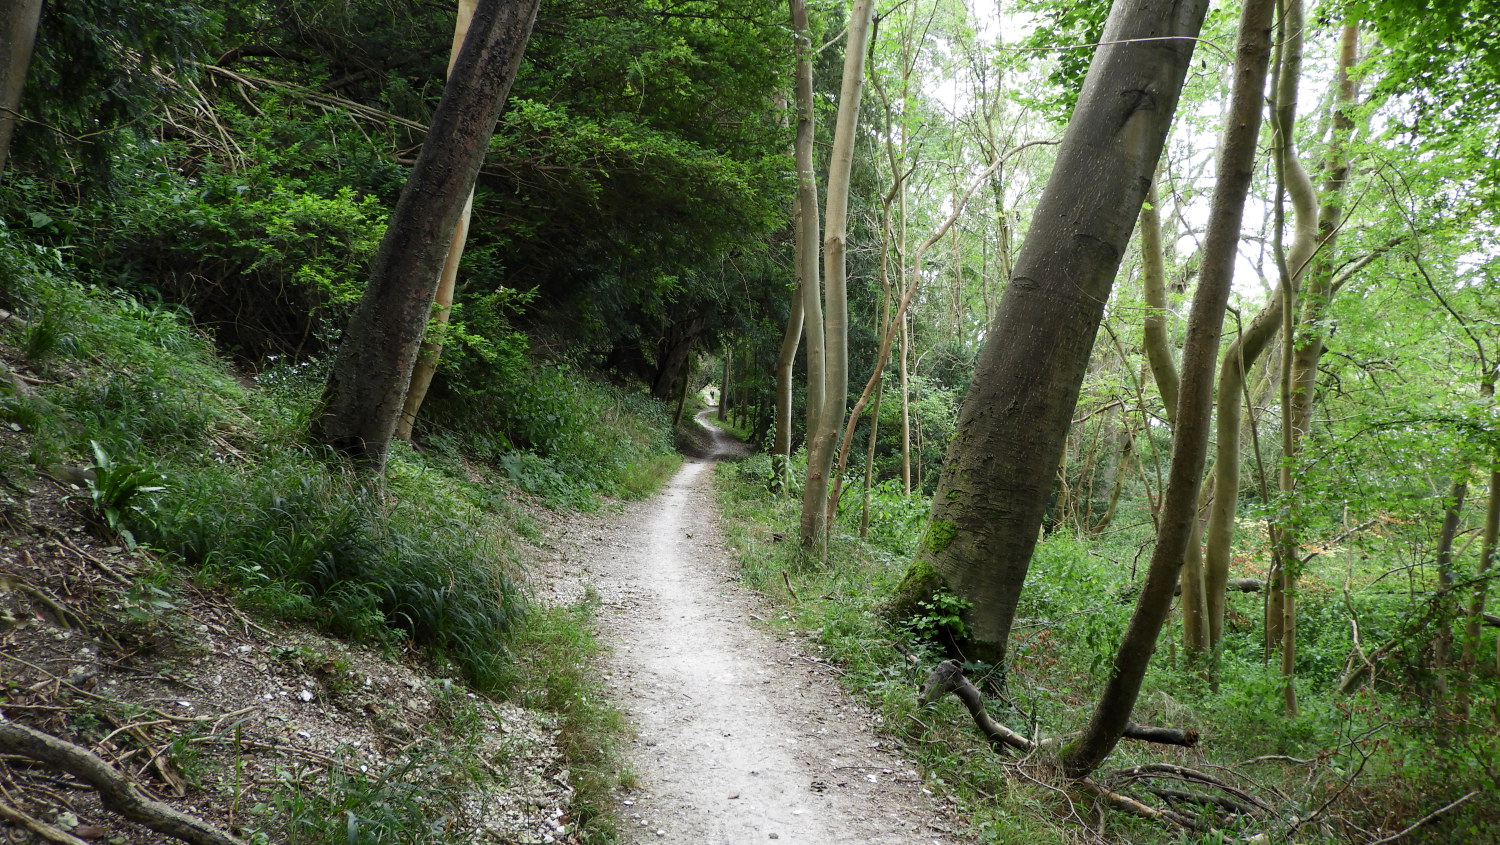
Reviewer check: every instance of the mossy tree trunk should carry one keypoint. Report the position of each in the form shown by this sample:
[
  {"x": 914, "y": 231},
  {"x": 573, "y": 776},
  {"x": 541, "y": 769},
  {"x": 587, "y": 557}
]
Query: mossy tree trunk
[
  {"x": 994, "y": 486},
  {"x": 372, "y": 369}
]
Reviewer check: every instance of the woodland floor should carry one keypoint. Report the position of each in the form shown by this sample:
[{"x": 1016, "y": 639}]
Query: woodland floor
[{"x": 742, "y": 736}]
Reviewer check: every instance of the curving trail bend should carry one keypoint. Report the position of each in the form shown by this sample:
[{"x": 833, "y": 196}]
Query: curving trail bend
[{"x": 742, "y": 737}]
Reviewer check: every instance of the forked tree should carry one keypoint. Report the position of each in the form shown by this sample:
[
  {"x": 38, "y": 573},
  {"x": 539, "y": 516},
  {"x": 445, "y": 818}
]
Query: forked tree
[{"x": 372, "y": 369}]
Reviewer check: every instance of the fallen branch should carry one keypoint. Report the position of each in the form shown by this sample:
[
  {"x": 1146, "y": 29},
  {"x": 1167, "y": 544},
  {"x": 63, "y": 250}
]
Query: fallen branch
[
  {"x": 39, "y": 827},
  {"x": 117, "y": 793},
  {"x": 1423, "y": 820}
]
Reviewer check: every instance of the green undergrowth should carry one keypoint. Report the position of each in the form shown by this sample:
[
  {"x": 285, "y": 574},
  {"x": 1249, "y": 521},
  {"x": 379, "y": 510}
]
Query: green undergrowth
[
  {"x": 1361, "y": 757},
  {"x": 211, "y": 469}
]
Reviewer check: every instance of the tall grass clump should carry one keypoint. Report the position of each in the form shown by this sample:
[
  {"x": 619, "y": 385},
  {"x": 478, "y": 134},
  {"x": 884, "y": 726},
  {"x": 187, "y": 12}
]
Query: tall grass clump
[{"x": 306, "y": 540}]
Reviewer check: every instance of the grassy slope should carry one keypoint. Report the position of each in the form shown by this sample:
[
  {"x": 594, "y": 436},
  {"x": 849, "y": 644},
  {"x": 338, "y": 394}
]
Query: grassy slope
[{"x": 427, "y": 557}]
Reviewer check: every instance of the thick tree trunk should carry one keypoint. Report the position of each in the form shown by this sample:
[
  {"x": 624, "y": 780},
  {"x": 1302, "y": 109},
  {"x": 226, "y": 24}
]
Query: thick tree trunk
[
  {"x": 994, "y": 486},
  {"x": 1179, "y": 515},
  {"x": 674, "y": 352},
  {"x": 822, "y": 441},
  {"x": 17, "y": 38},
  {"x": 442, "y": 310},
  {"x": 373, "y": 366}
]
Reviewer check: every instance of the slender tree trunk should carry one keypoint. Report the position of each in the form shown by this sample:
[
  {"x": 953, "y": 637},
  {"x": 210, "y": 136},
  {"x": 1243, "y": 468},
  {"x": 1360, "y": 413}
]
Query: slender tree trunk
[
  {"x": 1195, "y": 405},
  {"x": 1154, "y": 281},
  {"x": 786, "y": 360},
  {"x": 442, "y": 309},
  {"x": 896, "y": 329},
  {"x": 726, "y": 398},
  {"x": 1442, "y": 644},
  {"x": 372, "y": 369},
  {"x": 442, "y": 305},
  {"x": 864, "y": 513},
  {"x": 808, "y": 229},
  {"x": 993, "y": 488},
  {"x": 822, "y": 441},
  {"x": 1486, "y": 563},
  {"x": 1243, "y": 353}
]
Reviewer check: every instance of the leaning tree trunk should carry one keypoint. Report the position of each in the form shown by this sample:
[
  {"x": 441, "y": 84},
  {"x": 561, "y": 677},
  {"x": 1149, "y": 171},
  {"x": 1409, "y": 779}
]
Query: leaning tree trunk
[
  {"x": 1179, "y": 513},
  {"x": 442, "y": 304},
  {"x": 1246, "y": 349},
  {"x": 373, "y": 366},
  {"x": 822, "y": 442},
  {"x": 993, "y": 489},
  {"x": 17, "y": 37}
]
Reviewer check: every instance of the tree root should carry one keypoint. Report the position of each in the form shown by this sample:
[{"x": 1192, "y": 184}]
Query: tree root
[
  {"x": 116, "y": 792},
  {"x": 948, "y": 676}
]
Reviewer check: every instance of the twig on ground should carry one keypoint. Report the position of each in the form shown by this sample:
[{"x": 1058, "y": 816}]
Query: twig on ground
[
  {"x": 39, "y": 827},
  {"x": 1423, "y": 820},
  {"x": 116, "y": 792}
]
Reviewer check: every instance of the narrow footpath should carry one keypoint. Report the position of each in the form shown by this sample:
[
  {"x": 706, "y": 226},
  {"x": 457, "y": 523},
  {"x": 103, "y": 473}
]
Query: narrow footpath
[{"x": 741, "y": 736}]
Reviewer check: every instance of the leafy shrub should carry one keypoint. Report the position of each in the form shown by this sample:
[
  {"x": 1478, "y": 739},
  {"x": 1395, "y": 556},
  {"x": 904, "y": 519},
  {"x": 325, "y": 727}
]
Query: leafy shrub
[{"x": 121, "y": 493}]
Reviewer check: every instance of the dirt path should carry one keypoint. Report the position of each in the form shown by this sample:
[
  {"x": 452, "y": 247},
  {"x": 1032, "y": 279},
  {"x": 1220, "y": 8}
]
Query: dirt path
[{"x": 743, "y": 737}]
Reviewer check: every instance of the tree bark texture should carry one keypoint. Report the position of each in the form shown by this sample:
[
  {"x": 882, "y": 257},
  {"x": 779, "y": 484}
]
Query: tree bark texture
[
  {"x": 1179, "y": 513},
  {"x": 442, "y": 305},
  {"x": 808, "y": 230},
  {"x": 993, "y": 489},
  {"x": 373, "y": 367},
  {"x": 116, "y": 792},
  {"x": 17, "y": 38},
  {"x": 442, "y": 311}
]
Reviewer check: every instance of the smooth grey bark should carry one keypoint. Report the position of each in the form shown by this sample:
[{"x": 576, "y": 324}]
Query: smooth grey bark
[
  {"x": 1246, "y": 349},
  {"x": 17, "y": 38},
  {"x": 823, "y": 440},
  {"x": 994, "y": 485},
  {"x": 786, "y": 358},
  {"x": 1190, "y": 434},
  {"x": 1157, "y": 344},
  {"x": 808, "y": 225},
  {"x": 373, "y": 366}
]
